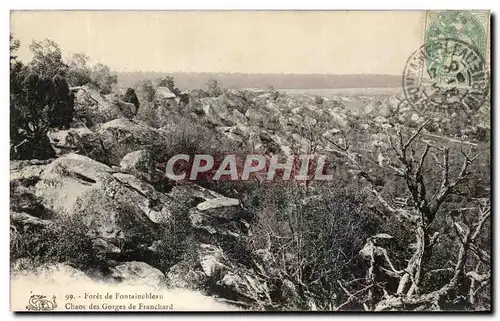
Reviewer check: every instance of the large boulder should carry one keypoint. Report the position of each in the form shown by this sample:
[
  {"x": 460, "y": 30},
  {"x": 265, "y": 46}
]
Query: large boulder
[
  {"x": 212, "y": 114},
  {"x": 138, "y": 273},
  {"x": 114, "y": 205},
  {"x": 122, "y": 136},
  {"x": 128, "y": 110},
  {"x": 218, "y": 275},
  {"x": 220, "y": 227},
  {"x": 139, "y": 163},
  {"x": 212, "y": 228},
  {"x": 255, "y": 117},
  {"x": 93, "y": 107},
  {"x": 71, "y": 140},
  {"x": 184, "y": 275},
  {"x": 191, "y": 195},
  {"x": 221, "y": 207},
  {"x": 238, "y": 117}
]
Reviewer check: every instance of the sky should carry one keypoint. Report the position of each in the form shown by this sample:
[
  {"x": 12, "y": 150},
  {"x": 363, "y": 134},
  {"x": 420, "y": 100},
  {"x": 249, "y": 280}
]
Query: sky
[{"x": 301, "y": 42}]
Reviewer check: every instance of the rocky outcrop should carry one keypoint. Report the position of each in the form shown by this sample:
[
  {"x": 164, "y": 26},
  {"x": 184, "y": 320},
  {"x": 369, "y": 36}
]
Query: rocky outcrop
[
  {"x": 107, "y": 201},
  {"x": 220, "y": 227},
  {"x": 217, "y": 274},
  {"x": 140, "y": 164},
  {"x": 122, "y": 136},
  {"x": 71, "y": 140},
  {"x": 93, "y": 107},
  {"x": 127, "y": 109},
  {"x": 110, "y": 203},
  {"x": 138, "y": 273}
]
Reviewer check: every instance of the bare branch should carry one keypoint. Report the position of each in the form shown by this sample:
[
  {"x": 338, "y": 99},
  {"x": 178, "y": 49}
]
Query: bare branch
[
  {"x": 352, "y": 296},
  {"x": 485, "y": 214},
  {"x": 414, "y": 136},
  {"x": 447, "y": 187}
]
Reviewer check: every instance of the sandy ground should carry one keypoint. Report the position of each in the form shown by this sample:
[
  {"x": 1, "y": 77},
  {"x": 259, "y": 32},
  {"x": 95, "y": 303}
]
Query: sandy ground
[{"x": 77, "y": 292}]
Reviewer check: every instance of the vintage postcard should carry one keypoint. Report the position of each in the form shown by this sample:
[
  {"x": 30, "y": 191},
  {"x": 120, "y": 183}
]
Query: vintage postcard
[{"x": 250, "y": 161}]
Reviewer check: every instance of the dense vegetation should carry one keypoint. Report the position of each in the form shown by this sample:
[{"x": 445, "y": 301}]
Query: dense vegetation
[{"x": 40, "y": 98}]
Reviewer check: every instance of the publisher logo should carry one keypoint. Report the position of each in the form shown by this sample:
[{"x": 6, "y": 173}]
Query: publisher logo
[{"x": 38, "y": 302}]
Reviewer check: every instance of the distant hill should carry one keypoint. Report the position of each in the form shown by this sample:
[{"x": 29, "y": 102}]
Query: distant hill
[{"x": 279, "y": 81}]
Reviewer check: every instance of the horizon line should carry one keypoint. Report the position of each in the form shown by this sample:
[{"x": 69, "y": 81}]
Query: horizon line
[{"x": 256, "y": 73}]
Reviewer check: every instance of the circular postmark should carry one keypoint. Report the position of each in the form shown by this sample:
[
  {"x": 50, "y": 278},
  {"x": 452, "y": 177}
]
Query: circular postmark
[{"x": 446, "y": 73}]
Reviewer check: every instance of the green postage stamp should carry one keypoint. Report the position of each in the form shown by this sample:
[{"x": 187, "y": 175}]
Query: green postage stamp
[{"x": 450, "y": 70}]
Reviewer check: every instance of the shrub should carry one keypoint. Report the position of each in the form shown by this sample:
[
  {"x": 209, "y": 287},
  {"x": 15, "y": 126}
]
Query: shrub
[
  {"x": 65, "y": 240},
  {"x": 47, "y": 59},
  {"x": 171, "y": 239},
  {"x": 314, "y": 235},
  {"x": 175, "y": 240},
  {"x": 148, "y": 113},
  {"x": 187, "y": 136}
]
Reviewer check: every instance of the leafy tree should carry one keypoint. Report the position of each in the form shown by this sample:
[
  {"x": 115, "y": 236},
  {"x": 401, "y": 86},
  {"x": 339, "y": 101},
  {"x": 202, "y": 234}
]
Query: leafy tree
[
  {"x": 47, "y": 59},
  {"x": 131, "y": 97},
  {"x": 79, "y": 72},
  {"x": 102, "y": 78},
  {"x": 39, "y": 100},
  {"x": 14, "y": 46}
]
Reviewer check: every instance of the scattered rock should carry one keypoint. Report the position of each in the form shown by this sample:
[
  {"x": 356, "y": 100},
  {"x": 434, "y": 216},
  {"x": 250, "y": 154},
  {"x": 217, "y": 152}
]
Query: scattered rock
[
  {"x": 139, "y": 163},
  {"x": 75, "y": 185},
  {"x": 380, "y": 120},
  {"x": 223, "y": 207},
  {"x": 96, "y": 108},
  {"x": 122, "y": 136},
  {"x": 71, "y": 140}
]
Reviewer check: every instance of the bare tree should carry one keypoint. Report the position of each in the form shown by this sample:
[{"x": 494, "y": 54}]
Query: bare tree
[{"x": 404, "y": 162}]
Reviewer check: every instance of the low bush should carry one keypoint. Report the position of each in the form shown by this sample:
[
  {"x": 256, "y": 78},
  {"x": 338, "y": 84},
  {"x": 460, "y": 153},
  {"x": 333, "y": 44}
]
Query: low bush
[
  {"x": 65, "y": 240},
  {"x": 314, "y": 236}
]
